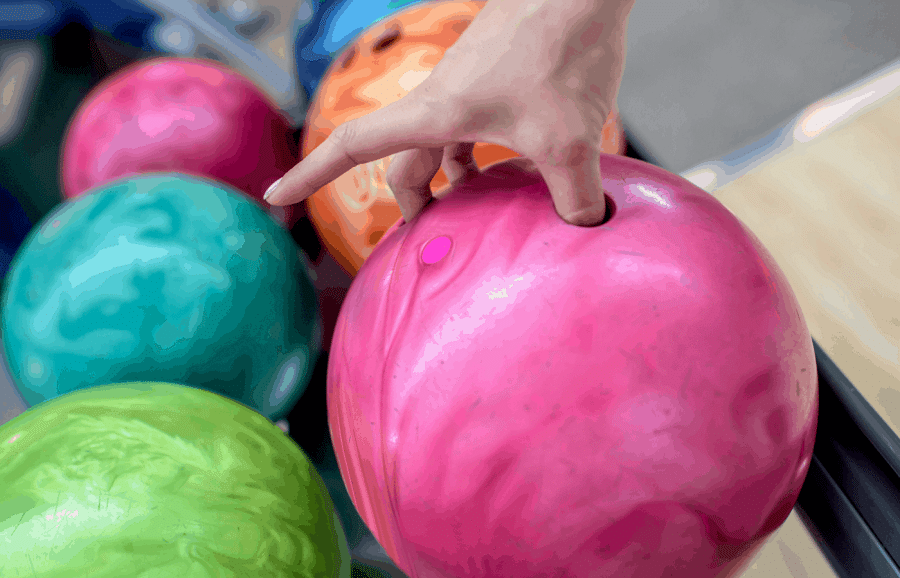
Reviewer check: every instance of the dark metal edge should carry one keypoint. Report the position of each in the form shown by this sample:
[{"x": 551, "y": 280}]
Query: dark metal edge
[
  {"x": 841, "y": 533},
  {"x": 859, "y": 451},
  {"x": 879, "y": 434}
]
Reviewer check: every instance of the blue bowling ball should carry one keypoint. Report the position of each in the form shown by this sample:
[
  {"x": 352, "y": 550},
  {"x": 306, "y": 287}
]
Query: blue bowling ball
[
  {"x": 333, "y": 26},
  {"x": 14, "y": 226},
  {"x": 126, "y": 20},
  {"x": 162, "y": 277}
]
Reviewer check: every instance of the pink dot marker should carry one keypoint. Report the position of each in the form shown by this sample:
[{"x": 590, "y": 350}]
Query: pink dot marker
[{"x": 435, "y": 250}]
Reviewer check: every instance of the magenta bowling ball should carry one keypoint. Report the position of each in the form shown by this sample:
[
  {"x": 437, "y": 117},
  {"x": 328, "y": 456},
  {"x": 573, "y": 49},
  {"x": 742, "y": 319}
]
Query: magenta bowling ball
[
  {"x": 180, "y": 115},
  {"x": 511, "y": 395}
]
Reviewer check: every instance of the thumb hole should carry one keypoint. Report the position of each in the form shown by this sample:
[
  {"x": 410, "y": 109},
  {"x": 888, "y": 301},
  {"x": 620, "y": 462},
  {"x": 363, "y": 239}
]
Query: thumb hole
[{"x": 577, "y": 192}]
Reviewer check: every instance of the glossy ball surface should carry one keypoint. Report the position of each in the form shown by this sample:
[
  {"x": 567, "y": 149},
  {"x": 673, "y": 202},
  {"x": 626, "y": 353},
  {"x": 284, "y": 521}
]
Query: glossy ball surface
[
  {"x": 154, "y": 479},
  {"x": 162, "y": 278},
  {"x": 180, "y": 115},
  {"x": 511, "y": 395},
  {"x": 385, "y": 64}
]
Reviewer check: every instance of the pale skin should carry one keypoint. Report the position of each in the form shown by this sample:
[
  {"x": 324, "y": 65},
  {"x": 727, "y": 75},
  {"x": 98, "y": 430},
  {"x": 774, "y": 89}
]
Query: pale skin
[{"x": 537, "y": 76}]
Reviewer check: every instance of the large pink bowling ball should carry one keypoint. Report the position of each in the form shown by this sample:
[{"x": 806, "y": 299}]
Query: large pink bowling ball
[
  {"x": 180, "y": 114},
  {"x": 511, "y": 395}
]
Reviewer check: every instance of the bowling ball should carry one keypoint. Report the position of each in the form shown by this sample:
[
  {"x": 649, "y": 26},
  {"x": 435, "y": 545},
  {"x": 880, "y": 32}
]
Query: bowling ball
[
  {"x": 635, "y": 399},
  {"x": 335, "y": 24},
  {"x": 389, "y": 60},
  {"x": 14, "y": 226},
  {"x": 179, "y": 115},
  {"x": 162, "y": 278},
  {"x": 157, "y": 479}
]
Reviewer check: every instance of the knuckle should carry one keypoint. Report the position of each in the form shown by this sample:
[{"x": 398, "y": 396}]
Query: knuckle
[
  {"x": 342, "y": 138},
  {"x": 395, "y": 173},
  {"x": 341, "y": 134},
  {"x": 581, "y": 150},
  {"x": 459, "y": 153},
  {"x": 573, "y": 151},
  {"x": 443, "y": 116},
  {"x": 392, "y": 179}
]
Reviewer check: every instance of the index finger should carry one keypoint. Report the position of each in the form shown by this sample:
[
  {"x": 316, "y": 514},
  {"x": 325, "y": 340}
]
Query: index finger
[{"x": 404, "y": 124}]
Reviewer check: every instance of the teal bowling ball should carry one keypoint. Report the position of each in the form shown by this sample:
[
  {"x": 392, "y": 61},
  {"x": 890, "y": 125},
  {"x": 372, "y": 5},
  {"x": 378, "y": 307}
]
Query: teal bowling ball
[
  {"x": 158, "y": 480},
  {"x": 163, "y": 277}
]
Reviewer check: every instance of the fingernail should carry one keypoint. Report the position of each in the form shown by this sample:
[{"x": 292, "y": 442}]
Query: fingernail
[{"x": 271, "y": 190}]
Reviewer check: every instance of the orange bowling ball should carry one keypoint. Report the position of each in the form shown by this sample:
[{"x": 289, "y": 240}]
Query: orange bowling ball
[{"x": 390, "y": 59}]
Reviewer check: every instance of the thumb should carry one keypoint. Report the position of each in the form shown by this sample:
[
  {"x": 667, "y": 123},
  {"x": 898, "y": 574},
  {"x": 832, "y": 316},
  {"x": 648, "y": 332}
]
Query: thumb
[{"x": 576, "y": 185}]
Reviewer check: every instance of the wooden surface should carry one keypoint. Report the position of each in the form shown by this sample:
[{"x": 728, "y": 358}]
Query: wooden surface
[
  {"x": 791, "y": 552},
  {"x": 824, "y": 197},
  {"x": 829, "y": 211}
]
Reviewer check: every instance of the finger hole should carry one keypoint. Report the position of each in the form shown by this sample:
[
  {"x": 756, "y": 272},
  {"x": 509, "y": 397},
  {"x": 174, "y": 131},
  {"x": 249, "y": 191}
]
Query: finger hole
[
  {"x": 586, "y": 218},
  {"x": 349, "y": 57},
  {"x": 387, "y": 39},
  {"x": 610, "y": 210}
]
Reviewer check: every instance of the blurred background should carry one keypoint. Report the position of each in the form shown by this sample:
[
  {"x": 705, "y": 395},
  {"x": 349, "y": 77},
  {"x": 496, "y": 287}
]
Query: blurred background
[{"x": 705, "y": 79}]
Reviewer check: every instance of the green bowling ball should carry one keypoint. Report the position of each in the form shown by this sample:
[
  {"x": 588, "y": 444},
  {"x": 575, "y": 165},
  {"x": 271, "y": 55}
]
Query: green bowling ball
[
  {"x": 163, "y": 277},
  {"x": 157, "y": 480}
]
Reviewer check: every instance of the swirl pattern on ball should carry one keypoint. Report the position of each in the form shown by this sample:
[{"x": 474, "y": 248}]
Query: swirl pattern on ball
[
  {"x": 156, "y": 479},
  {"x": 164, "y": 277}
]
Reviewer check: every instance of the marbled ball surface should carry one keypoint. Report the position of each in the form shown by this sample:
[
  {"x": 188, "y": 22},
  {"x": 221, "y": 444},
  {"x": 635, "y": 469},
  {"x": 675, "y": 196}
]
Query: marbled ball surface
[
  {"x": 152, "y": 480},
  {"x": 164, "y": 277}
]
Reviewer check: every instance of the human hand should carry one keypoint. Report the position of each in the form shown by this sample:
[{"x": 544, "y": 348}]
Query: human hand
[{"x": 539, "y": 78}]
